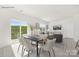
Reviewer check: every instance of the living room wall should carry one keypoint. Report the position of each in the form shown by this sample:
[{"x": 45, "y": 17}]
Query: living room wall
[{"x": 67, "y": 27}]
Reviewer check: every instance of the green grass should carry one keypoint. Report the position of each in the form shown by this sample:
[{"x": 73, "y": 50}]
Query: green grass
[{"x": 15, "y": 31}]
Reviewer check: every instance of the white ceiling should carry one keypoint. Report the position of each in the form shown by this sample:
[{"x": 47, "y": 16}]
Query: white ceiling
[{"x": 48, "y": 12}]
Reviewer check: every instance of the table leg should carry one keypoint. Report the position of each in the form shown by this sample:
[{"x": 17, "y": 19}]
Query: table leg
[{"x": 37, "y": 48}]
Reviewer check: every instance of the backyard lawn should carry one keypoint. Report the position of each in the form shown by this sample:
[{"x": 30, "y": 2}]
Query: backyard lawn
[{"x": 15, "y": 30}]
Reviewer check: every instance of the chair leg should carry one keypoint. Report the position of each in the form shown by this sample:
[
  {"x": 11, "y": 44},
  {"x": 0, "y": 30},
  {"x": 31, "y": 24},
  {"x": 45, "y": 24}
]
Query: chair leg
[
  {"x": 77, "y": 52},
  {"x": 76, "y": 45},
  {"x": 39, "y": 51},
  {"x": 49, "y": 53},
  {"x": 18, "y": 48},
  {"x": 53, "y": 52},
  {"x": 22, "y": 51},
  {"x": 28, "y": 53}
]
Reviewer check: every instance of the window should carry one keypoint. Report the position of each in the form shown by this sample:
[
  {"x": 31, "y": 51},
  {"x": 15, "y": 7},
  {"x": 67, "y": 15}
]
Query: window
[
  {"x": 18, "y": 27},
  {"x": 15, "y": 30}
]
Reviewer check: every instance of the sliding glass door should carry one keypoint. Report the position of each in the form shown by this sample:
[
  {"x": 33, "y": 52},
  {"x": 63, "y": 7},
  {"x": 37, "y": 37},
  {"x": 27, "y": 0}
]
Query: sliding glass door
[{"x": 18, "y": 28}]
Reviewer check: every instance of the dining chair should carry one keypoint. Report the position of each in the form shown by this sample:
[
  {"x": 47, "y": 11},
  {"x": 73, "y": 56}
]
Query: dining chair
[
  {"x": 28, "y": 47},
  {"x": 48, "y": 47},
  {"x": 77, "y": 47},
  {"x": 21, "y": 45},
  {"x": 69, "y": 45}
]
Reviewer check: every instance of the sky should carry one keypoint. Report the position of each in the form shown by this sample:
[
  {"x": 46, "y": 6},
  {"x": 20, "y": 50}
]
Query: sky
[{"x": 17, "y": 22}]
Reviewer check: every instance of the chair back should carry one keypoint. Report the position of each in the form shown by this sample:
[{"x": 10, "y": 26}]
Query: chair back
[
  {"x": 27, "y": 44},
  {"x": 77, "y": 44},
  {"x": 20, "y": 39},
  {"x": 69, "y": 45}
]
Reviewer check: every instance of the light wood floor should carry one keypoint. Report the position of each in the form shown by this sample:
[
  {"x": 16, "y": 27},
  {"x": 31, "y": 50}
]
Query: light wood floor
[{"x": 61, "y": 50}]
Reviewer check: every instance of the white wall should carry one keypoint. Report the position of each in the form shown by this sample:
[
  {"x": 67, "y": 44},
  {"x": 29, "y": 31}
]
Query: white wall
[
  {"x": 67, "y": 27},
  {"x": 5, "y": 16},
  {"x": 70, "y": 27},
  {"x": 4, "y": 27},
  {"x": 76, "y": 27}
]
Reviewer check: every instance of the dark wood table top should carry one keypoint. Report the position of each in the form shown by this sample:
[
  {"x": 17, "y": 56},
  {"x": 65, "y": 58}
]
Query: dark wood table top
[{"x": 32, "y": 37}]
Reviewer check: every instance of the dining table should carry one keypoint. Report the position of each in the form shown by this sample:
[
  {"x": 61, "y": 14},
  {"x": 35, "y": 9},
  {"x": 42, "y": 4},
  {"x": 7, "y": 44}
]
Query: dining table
[{"x": 35, "y": 38}]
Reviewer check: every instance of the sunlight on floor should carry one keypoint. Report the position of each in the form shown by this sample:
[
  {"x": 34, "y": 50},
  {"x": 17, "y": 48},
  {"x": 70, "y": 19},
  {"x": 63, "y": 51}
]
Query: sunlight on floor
[
  {"x": 15, "y": 49},
  {"x": 61, "y": 50}
]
